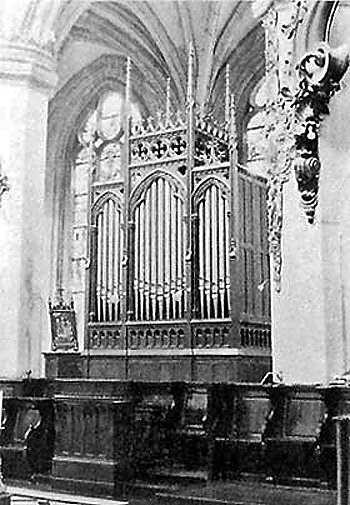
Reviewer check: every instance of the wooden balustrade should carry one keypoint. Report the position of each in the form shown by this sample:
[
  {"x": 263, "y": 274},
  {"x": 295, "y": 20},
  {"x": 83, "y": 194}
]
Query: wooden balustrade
[
  {"x": 255, "y": 335},
  {"x": 212, "y": 334},
  {"x": 103, "y": 336},
  {"x": 159, "y": 336}
]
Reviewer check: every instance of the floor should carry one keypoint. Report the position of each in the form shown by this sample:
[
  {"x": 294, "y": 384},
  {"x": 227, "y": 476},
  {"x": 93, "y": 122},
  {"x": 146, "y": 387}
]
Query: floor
[{"x": 238, "y": 493}]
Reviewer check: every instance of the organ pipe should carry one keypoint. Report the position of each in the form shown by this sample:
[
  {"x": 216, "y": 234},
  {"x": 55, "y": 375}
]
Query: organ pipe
[
  {"x": 213, "y": 254},
  {"x": 108, "y": 286},
  {"x": 159, "y": 247},
  {"x": 159, "y": 276}
]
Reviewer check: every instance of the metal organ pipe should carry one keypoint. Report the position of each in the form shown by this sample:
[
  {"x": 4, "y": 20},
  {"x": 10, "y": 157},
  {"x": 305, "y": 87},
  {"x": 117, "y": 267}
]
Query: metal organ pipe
[
  {"x": 104, "y": 266},
  {"x": 108, "y": 256},
  {"x": 159, "y": 282},
  {"x": 174, "y": 245},
  {"x": 167, "y": 251},
  {"x": 99, "y": 266},
  {"x": 213, "y": 254},
  {"x": 148, "y": 238},
  {"x": 137, "y": 276},
  {"x": 215, "y": 246},
  {"x": 153, "y": 257},
  {"x": 201, "y": 269}
]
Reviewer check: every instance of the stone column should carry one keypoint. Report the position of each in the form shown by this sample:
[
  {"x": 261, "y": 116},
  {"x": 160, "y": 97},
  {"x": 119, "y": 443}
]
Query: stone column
[
  {"x": 299, "y": 326},
  {"x": 27, "y": 78}
]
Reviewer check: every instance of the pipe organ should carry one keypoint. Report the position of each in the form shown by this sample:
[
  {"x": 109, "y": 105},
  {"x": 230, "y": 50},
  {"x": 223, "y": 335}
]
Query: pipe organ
[{"x": 178, "y": 274}]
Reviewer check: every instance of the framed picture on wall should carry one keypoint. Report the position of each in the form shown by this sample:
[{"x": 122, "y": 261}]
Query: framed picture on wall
[{"x": 63, "y": 327}]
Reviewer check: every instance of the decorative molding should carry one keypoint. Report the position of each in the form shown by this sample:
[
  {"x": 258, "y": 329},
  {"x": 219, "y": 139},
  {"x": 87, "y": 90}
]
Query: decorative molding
[
  {"x": 320, "y": 73},
  {"x": 19, "y": 61},
  {"x": 31, "y": 23}
]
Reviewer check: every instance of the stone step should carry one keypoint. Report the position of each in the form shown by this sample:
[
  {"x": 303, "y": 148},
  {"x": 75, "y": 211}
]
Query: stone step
[{"x": 30, "y": 496}]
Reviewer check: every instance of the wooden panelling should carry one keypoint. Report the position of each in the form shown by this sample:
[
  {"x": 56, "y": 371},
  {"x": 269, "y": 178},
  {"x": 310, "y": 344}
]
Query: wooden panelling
[
  {"x": 108, "y": 431},
  {"x": 159, "y": 369},
  {"x": 93, "y": 438}
]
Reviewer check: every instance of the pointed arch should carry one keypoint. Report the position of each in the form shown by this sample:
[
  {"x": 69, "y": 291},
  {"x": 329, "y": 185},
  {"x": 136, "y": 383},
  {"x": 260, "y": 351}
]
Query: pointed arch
[
  {"x": 206, "y": 183},
  {"x": 139, "y": 191}
]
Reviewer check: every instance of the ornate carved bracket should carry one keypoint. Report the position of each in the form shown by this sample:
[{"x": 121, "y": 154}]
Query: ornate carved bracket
[
  {"x": 320, "y": 73},
  {"x": 4, "y": 186}
]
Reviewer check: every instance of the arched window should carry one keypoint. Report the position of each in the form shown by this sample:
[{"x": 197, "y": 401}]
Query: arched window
[
  {"x": 255, "y": 139},
  {"x": 98, "y": 202}
]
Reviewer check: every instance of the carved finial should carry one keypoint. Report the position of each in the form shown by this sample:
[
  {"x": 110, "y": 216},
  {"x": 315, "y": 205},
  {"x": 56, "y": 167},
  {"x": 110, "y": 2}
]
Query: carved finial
[
  {"x": 190, "y": 75},
  {"x": 227, "y": 96},
  {"x": 232, "y": 122},
  {"x": 167, "y": 103},
  {"x": 60, "y": 295},
  {"x": 159, "y": 116},
  {"x": 127, "y": 80}
]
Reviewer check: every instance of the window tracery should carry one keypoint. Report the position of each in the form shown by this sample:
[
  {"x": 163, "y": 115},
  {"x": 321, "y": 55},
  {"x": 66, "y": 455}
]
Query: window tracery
[{"x": 255, "y": 132}]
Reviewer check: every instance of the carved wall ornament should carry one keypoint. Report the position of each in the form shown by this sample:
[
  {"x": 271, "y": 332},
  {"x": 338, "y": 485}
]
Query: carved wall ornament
[
  {"x": 4, "y": 183},
  {"x": 4, "y": 186},
  {"x": 320, "y": 73},
  {"x": 280, "y": 23}
]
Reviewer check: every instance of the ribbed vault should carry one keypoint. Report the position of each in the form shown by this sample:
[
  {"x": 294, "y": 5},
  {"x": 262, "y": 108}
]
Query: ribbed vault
[{"x": 156, "y": 36}]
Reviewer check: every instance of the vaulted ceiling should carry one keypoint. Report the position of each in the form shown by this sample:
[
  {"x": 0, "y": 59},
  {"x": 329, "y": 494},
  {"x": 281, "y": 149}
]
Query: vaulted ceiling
[{"x": 156, "y": 35}]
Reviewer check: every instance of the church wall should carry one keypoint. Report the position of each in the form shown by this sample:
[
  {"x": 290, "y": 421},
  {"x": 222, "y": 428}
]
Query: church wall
[
  {"x": 298, "y": 310},
  {"x": 334, "y": 202},
  {"x": 335, "y": 153}
]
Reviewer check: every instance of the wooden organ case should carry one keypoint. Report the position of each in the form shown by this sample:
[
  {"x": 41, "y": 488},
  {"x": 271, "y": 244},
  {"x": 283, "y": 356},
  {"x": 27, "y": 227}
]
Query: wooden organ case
[{"x": 178, "y": 255}]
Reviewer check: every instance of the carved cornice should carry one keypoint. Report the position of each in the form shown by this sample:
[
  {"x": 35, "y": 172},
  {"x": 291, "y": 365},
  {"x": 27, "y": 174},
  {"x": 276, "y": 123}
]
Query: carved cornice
[{"x": 320, "y": 73}]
